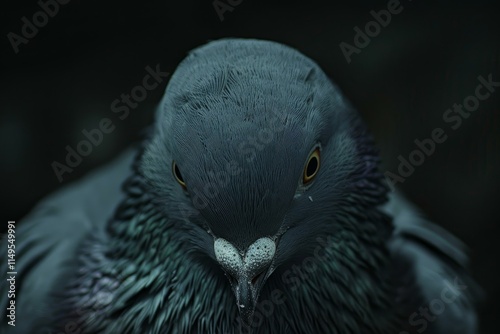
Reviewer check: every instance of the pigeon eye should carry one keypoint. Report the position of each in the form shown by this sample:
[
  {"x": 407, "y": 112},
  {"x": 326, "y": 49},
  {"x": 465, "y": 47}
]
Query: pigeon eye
[
  {"x": 312, "y": 166},
  {"x": 177, "y": 175}
]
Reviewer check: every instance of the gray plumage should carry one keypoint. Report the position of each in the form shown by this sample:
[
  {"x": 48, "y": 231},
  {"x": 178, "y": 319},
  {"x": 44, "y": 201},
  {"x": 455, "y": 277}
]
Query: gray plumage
[{"x": 250, "y": 243}]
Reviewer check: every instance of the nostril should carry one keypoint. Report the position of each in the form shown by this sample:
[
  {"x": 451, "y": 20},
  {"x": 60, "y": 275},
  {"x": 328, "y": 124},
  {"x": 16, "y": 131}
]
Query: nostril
[
  {"x": 256, "y": 278},
  {"x": 232, "y": 278}
]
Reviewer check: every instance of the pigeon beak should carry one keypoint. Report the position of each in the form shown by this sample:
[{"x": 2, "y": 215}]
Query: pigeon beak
[
  {"x": 247, "y": 271},
  {"x": 247, "y": 292},
  {"x": 246, "y": 299}
]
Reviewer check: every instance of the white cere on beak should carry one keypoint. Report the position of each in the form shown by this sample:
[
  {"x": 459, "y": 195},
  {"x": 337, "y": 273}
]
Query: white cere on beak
[
  {"x": 228, "y": 256},
  {"x": 258, "y": 256}
]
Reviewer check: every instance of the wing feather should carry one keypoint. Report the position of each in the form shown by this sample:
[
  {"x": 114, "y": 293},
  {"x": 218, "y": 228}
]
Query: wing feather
[
  {"x": 437, "y": 263},
  {"x": 47, "y": 239}
]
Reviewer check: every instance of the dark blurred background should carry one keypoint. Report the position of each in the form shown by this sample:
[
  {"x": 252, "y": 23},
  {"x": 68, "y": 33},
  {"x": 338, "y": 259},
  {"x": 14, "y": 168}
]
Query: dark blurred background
[{"x": 64, "y": 79}]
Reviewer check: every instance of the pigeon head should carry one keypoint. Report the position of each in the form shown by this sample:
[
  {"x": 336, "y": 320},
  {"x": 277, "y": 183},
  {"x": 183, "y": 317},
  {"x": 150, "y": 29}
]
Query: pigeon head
[{"x": 254, "y": 153}]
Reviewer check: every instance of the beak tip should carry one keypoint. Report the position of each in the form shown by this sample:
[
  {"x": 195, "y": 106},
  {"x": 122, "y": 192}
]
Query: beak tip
[{"x": 246, "y": 315}]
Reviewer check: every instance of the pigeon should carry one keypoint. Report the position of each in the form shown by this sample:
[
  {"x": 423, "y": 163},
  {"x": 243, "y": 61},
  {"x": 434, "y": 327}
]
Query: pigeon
[{"x": 254, "y": 204}]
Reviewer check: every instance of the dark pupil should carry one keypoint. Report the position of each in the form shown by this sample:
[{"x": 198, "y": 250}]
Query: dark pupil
[
  {"x": 178, "y": 173},
  {"x": 312, "y": 166}
]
